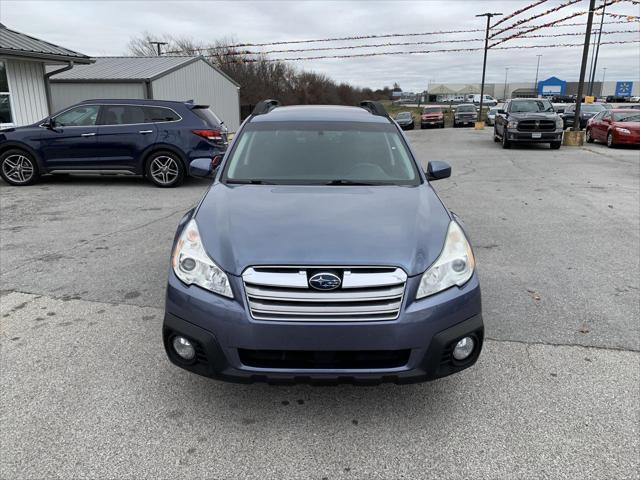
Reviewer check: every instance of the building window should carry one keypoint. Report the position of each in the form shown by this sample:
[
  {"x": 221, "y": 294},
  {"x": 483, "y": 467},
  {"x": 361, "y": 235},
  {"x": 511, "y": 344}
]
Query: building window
[{"x": 5, "y": 96}]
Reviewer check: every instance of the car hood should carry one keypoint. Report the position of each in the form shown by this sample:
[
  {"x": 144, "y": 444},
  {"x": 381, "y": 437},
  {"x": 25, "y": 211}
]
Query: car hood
[
  {"x": 533, "y": 116},
  {"x": 248, "y": 225}
]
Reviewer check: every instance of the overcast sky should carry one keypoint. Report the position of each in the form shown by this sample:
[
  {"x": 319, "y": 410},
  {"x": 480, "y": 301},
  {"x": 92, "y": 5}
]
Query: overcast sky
[{"x": 105, "y": 27}]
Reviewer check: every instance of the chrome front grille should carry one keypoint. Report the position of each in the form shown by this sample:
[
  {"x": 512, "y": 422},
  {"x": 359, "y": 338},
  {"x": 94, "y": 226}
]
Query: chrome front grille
[{"x": 283, "y": 293}]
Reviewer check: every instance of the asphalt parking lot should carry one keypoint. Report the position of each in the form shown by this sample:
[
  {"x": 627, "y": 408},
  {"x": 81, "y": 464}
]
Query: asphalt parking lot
[{"x": 86, "y": 390}]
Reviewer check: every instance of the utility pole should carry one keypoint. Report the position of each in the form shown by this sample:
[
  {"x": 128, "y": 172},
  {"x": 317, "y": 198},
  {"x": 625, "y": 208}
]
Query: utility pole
[
  {"x": 535, "y": 85},
  {"x": 604, "y": 72},
  {"x": 504, "y": 92},
  {"x": 583, "y": 67},
  {"x": 158, "y": 44},
  {"x": 484, "y": 62},
  {"x": 595, "y": 57}
]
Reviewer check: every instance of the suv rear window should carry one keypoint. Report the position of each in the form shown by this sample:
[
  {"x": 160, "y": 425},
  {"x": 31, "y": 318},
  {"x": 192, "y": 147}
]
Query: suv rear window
[
  {"x": 207, "y": 115},
  {"x": 320, "y": 153},
  {"x": 160, "y": 114}
]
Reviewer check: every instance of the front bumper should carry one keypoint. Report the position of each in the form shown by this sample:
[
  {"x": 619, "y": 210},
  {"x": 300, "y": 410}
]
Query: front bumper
[
  {"x": 514, "y": 135},
  {"x": 222, "y": 329}
]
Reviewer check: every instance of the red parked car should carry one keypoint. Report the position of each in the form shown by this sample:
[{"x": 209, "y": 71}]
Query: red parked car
[
  {"x": 432, "y": 116},
  {"x": 619, "y": 126}
]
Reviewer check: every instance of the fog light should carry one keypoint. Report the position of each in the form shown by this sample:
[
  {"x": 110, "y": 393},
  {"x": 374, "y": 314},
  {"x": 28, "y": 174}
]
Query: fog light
[
  {"x": 184, "y": 348},
  {"x": 463, "y": 348}
]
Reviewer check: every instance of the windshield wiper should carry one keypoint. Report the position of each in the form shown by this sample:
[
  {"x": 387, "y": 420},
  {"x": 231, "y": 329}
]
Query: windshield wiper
[
  {"x": 249, "y": 182},
  {"x": 348, "y": 182}
]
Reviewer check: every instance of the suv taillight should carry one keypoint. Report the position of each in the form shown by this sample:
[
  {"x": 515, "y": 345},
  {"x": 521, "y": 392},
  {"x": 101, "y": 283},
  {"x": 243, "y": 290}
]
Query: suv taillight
[{"x": 208, "y": 134}]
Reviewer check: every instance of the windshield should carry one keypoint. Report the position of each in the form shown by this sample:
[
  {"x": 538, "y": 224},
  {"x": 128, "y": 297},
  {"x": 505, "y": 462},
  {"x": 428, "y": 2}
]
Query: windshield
[
  {"x": 592, "y": 108},
  {"x": 403, "y": 115},
  {"x": 626, "y": 116},
  {"x": 466, "y": 108},
  {"x": 432, "y": 110},
  {"x": 531, "y": 106},
  {"x": 321, "y": 153}
]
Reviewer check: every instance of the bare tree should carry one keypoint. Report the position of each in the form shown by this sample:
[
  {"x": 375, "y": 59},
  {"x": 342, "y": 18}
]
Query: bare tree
[{"x": 259, "y": 77}]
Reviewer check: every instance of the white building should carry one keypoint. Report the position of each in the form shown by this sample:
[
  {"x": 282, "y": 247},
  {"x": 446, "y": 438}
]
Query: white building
[
  {"x": 24, "y": 92},
  {"x": 162, "y": 78}
]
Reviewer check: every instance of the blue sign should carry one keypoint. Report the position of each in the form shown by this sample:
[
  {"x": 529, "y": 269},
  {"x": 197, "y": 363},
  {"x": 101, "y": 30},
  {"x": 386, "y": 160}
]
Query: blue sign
[
  {"x": 623, "y": 89},
  {"x": 552, "y": 86}
]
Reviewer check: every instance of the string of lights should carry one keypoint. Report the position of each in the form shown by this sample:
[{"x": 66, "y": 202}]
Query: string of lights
[
  {"x": 394, "y": 44},
  {"x": 623, "y": 19},
  {"x": 518, "y": 12},
  {"x": 412, "y": 52},
  {"x": 630, "y": 18},
  {"x": 538, "y": 15},
  {"x": 550, "y": 24}
]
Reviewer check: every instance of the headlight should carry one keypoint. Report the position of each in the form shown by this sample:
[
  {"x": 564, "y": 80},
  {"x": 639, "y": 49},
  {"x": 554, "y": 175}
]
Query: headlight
[
  {"x": 622, "y": 130},
  {"x": 559, "y": 123},
  {"x": 454, "y": 266},
  {"x": 512, "y": 124},
  {"x": 192, "y": 265}
]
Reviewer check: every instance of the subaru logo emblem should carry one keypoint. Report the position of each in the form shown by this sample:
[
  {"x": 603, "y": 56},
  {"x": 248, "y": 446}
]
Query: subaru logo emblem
[{"x": 325, "y": 281}]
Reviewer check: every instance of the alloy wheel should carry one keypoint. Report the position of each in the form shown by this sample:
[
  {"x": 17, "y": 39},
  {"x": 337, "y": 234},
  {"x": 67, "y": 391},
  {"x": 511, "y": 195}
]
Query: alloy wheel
[
  {"x": 164, "y": 169},
  {"x": 18, "y": 168}
]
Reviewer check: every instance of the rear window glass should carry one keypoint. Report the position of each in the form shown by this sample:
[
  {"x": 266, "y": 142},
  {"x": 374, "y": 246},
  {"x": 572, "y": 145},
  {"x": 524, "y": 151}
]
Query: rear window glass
[
  {"x": 160, "y": 114},
  {"x": 207, "y": 115},
  {"x": 320, "y": 153}
]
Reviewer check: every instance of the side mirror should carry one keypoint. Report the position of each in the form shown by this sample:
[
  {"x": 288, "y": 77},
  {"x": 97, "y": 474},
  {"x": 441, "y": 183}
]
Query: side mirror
[
  {"x": 200, "y": 167},
  {"x": 49, "y": 123},
  {"x": 437, "y": 170},
  {"x": 502, "y": 112}
]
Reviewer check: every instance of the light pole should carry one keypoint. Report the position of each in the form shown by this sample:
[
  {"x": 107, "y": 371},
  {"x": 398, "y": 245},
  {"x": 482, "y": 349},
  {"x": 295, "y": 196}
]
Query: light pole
[
  {"x": 583, "y": 68},
  {"x": 595, "y": 56},
  {"x": 604, "y": 72},
  {"x": 535, "y": 85},
  {"x": 504, "y": 92},
  {"x": 480, "y": 123}
]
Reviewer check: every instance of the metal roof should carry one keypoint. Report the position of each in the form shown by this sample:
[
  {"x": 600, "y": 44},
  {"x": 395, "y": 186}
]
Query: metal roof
[
  {"x": 107, "y": 69},
  {"x": 18, "y": 44}
]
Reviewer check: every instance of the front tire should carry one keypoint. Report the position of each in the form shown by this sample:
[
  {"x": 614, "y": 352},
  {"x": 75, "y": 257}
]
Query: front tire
[
  {"x": 555, "y": 145},
  {"x": 18, "y": 168},
  {"x": 505, "y": 143},
  {"x": 610, "y": 142},
  {"x": 165, "y": 169},
  {"x": 588, "y": 136}
]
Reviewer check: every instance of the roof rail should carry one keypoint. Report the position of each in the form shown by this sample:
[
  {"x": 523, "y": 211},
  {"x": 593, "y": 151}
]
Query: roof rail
[
  {"x": 265, "y": 106},
  {"x": 376, "y": 108}
]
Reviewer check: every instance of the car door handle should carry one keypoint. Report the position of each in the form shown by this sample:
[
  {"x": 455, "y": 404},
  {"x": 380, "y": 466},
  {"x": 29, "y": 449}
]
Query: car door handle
[
  {"x": 145, "y": 131},
  {"x": 88, "y": 134}
]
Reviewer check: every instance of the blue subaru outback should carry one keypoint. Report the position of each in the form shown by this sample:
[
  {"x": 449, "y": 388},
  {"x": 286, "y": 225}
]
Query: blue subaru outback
[
  {"x": 322, "y": 254},
  {"x": 154, "y": 138}
]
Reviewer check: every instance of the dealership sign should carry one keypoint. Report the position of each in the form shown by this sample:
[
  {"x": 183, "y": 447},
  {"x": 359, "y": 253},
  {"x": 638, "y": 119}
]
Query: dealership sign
[{"x": 623, "y": 89}]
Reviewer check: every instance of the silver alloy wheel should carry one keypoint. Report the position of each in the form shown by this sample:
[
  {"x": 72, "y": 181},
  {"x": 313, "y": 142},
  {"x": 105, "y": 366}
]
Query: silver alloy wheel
[
  {"x": 588, "y": 135},
  {"x": 18, "y": 168},
  {"x": 610, "y": 140},
  {"x": 164, "y": 169}
]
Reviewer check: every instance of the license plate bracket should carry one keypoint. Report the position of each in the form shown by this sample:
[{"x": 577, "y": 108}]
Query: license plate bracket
[{"x": 536, "y": 135}]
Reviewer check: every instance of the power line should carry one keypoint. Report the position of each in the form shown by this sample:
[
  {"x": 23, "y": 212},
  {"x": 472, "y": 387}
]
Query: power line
[{"x": 377, "y": 54}]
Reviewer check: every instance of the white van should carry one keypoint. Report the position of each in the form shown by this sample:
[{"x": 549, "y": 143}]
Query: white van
[{"x": 488, "y": 100}]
